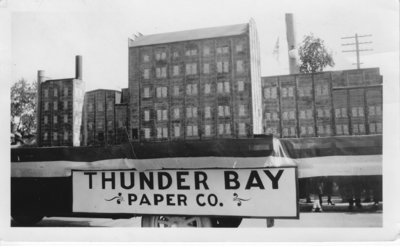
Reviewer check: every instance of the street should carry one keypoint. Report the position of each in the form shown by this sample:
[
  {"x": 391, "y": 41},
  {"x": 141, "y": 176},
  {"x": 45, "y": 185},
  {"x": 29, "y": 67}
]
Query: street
[{"x": 329, "y": 219}]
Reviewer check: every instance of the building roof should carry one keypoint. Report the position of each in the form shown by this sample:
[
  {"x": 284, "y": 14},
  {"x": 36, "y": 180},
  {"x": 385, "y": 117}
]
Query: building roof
[{"x": 196, "y": 34}]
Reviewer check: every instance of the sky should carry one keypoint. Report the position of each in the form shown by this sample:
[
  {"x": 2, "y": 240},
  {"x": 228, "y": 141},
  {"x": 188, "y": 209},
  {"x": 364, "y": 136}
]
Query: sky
[{"x": 46, "y": 35}]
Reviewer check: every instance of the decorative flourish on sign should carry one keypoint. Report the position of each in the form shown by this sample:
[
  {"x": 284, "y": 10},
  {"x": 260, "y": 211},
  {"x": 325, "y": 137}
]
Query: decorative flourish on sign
[
  {"x": 239, "y": 200},
  {"x": 119, "y": 198}
]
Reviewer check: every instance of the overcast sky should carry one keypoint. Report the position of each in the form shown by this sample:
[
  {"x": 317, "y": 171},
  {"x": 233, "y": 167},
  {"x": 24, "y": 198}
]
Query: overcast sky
[{"x": 48, "y": 34}]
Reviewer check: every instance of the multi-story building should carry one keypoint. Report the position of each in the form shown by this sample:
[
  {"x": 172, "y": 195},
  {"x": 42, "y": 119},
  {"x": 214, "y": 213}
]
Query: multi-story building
[
  {"x": 102, "y": 117},
  {"x": 60, "y": 103},
  {"x": 347, "y": 102},
  {"x": 196, "y": 84}
]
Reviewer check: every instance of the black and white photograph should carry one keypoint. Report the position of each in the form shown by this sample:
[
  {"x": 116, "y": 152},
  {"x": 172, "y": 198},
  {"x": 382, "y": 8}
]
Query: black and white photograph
[{"x": 250, "y": 120}]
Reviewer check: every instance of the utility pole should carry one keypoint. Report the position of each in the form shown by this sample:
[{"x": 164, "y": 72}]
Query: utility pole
[{"x": 357, "y": 44}]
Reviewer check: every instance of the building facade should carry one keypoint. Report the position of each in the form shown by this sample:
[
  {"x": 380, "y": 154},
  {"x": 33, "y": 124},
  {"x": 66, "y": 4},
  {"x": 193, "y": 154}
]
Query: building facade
[
  {"x": 103, "y": 118},
  {"x": 196, "y": 84},
  {"x": 347, "y": 102},
  {"x": 60, "y": 103}
]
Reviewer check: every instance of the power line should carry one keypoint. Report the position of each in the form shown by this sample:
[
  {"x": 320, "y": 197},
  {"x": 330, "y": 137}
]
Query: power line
[{"x": 357, "y": 46}]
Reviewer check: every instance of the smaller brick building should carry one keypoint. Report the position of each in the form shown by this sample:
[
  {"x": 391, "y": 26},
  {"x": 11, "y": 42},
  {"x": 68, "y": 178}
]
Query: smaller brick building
[
  {"x": 105, "y": 117},
  {"x": 59, "y": 112}
]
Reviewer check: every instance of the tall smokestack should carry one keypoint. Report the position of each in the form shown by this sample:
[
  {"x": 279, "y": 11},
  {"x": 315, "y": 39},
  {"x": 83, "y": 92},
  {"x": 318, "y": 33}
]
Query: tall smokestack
[
  {"x": 40, "y": 80},
  {"x": 78, "y": 67},
  {"x": 291, "y": 40}
]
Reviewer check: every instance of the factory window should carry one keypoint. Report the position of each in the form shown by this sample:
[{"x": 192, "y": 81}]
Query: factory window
[
  {"x": 223, "y": 50},
  {"x": 65, "y": 118},
  {"x": 55, "y": 92},
  {"x": 275, "y": 116},
  {"x": 65, "y": 136},
  {"x": 162, "y": 132},
  {"x": 207, "y": 88},
  {"x": 146, "y": 92},
  {"x": 110, "y": 105},
  {"x": 327, "y": 113},
  {"x": 146, "y": 115},
  {"x": 328, "y": 129},
  {"x": 303, "y": 130},
  {"x": 175, "y": 70},
  {"x": 321, "y": 90},
  {"x": 223, "y": 111},
  {"x": 45, "y": 136},
  {"x": 161, "y": 56},
  {"x": 284, "y": 92},
  {"x": 339, "y": 130},
  {"x": 100, "y": 136},
  {"x": 223, "y": 67},
  {"x": 100, "y": 106},
  {"x": 120, "y": 124},
  {"x": 207, "y": 130},
  {"x": 206, "y": 68},
  {"x": 379, "y": 127},
  {"x": 239, "y": 48},
  {"x": 302, "y": 114},
  {"x": 55, "y": 105},
  {"x": 191, "y": 89},
  {"x": 224, "y": 129},
  {"x": 192, "y": 130},
  {"x": 268, "y": 116},
  {"x": 372, "y": 128},
  {"x": 191, "y": 112},
  {"x": 340, "y": 113},
  {"x": 346, "y": 129},
  {"x": 175, "y": 54},
  {"x": 207, "y": 112},
  {"x": 46, "y": 93},
  {"x": 161, "y": 72},
  {"x": 100, "y": 124},
  {"x": 65, "y": 104},
  {"x": 146, "y": 58},
  {"x": 191, "y": 52},
  {"x": 285, "y": 115},
  {"x": 161, "y": 92},
  {"x": 273, "y": 92},
  {"x": 240, "y": 85},
  {"x": 371, "y": 110},
  {"x": 110, "y": 124},
  {"x": 45, "y": 120},
  {"x": 320, "y": 113},
  {"x": 357, "y": 112},
  {"x": 242, "y": 129},
  {"x": 242, "y": 111},
  {"x": 90, "y": 107},
  {"x": 65, "y": 92},
  {"x": 239, "y": 66},
  {"x": 162, "y": 114},
  {"x": 292, "y": 116},
  {"x": 267, "y": 93},
  {"x": 223, "y": 87},
  {"x": 46, "y": 106},
  {"x": 176, "y": 113},
  {"x": 290, "y": 92},
  {"x": 146, "y": 73},
  {"x": 206, "y": 51},
  {"x": 309, "y": 114},
  {"x": 310, "y": 130},
  {"x": 177, "y": 131},
  {"x": 292, "y": 131},
  {"x": 146, "y": 133},
  {"x": 191, "y": 68},
  {"x": 176, "y": 90},
  {"x": 55, "y": 136},
  {"x": 90, "y": 126},
  {"x": 55, "y": 118}
]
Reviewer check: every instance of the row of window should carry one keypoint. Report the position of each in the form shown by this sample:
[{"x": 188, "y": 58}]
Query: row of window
[
  {"x": 191, "y": 69},
  {"x": 55, "y": 119},
  {"x": 55, "y": 136},
  {"x": 162, "y": 55},
  {"x": 193, "y": 131},
  {"x": 271, "y": 92},
  {"x": 192, "y": 89},
  {"x": 55, "y": 105},
  {"x": 55, "y": 92},
  {"x": 110, "y": 125},
  {"x": 192, "y": 112},
  {"x": 100, "y": 106}
]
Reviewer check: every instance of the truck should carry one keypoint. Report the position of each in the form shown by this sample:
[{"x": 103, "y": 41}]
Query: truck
[{"x": 208, "y": 183}]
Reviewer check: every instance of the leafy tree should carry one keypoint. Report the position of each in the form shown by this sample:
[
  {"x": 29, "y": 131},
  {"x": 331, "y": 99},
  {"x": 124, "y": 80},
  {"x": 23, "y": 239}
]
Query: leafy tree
[
  {"x": 314, "y": 56},
  {"x": 23, "y": 107}
]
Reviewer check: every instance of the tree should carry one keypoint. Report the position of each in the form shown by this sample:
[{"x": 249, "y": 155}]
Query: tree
[
  {"x": 314, "y": 56},
  {"x": 23, "y": 107}
]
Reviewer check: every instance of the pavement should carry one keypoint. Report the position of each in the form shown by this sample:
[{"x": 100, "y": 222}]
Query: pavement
[{"x": 340, "y": 206}]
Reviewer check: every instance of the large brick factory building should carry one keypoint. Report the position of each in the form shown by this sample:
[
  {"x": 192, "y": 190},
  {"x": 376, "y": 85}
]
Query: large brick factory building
[{"x": 204, "y": 84}]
